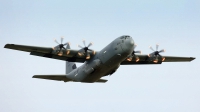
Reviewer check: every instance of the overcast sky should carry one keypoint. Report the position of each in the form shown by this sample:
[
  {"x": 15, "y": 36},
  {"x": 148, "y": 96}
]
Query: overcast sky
[{"x": 170, "y": 87}]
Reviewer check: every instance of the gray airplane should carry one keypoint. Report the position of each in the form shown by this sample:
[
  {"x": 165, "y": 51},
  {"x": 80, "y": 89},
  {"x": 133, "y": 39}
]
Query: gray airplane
[{"x": 121, "y": 51}]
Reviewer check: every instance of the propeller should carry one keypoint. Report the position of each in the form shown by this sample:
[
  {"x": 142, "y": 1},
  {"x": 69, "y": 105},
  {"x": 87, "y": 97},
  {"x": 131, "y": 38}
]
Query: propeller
[
  {"x": 133, "y": 55},
  {"x": 84, "y": 50},
  {"x": 156, "y": 53},
  {"x": 60, "y": 46}
]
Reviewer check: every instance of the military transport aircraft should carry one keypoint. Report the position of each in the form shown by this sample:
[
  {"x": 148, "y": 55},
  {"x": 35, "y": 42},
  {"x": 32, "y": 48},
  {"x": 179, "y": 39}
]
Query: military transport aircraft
[{"x": 97, "y": 64}]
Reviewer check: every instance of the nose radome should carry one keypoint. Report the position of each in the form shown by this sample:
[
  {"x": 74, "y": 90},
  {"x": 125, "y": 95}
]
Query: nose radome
[
  {"x": 131, "y": 42},
  {"x": 129, "y": 46}
]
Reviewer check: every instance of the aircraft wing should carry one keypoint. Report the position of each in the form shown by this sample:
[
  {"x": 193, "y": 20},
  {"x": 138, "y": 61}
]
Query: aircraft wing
[
  {"x": 69, "y": 55},
  {"x": 145, "y": 59}
]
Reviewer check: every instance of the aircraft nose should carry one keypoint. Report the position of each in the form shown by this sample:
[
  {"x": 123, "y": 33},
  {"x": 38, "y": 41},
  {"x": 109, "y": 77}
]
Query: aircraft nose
[
  {"x": 129, "y": 45},
  {"x": 131, "y": 42}
]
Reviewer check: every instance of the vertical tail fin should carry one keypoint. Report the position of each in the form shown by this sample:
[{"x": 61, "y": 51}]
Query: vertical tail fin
[{"x": 70, "y": 65}]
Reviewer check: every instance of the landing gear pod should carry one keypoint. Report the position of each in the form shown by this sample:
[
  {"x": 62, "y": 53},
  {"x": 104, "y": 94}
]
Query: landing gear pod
[{"x": 92, "y": 66}]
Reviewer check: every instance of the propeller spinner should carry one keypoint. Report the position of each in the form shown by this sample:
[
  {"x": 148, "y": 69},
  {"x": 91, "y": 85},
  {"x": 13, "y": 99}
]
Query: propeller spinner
[{"x": 156, "y": 54}]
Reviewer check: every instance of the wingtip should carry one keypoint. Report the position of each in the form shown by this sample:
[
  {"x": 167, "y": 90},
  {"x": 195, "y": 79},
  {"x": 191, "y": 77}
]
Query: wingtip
[
  {"x": 34, "y": 76},
  {"x": 8, "y": 45},
  {"x": 193, "y": 58}
]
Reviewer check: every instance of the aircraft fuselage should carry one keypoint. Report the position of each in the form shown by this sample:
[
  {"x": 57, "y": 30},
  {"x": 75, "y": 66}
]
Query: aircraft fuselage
[{"x": 105, "y": 62}]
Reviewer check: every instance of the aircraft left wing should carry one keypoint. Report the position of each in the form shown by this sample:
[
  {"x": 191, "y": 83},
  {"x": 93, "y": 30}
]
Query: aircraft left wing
[
  {"x": 145, "y": 59},
  {"x": 68, "y": 55}
]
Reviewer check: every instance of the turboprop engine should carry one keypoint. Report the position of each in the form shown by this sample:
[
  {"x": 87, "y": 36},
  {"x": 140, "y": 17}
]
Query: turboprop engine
[{"x": 61, "y": 48}]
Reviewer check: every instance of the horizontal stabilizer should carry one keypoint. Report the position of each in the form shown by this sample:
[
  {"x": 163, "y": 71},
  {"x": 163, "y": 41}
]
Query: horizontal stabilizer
[
  {"x": 62, "y": 78},
  {"x": 53, "y": 77}
]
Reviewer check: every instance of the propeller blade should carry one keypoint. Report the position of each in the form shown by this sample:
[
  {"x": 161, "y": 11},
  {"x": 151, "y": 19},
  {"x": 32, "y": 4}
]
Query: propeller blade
[
  {"x": 62, "y": 38},
  {"x": 88, "y": 56},
  {"x": 161, "y": 51},
  {"x": 129, "y": 58},
  {"x": 64, "y": 48},
  {"x": 135, "y": 46},
  {"x": 67, "y": 45},
  {"x": 159, "y": 55},
  {"x": 60, "y": 53},
  {"x": 89, "y": 44},
  {"x": 82, "y": 51},
  {"x": 90, "y": 50},
  {"x": 84, "y": 43},
  {"x": 80, "y": 46},
  {"x": 137, "y": 59},
  {"x": 156, "y": 60},
  {"x": 163, "y": 59},
  {"x": 138, "y": 52},
  {"x": 56, "y": 41},
  {"x": 157, "y": 46},
  {"x": 80, "y": 54},
  {"x": 151, "y": 48},
  {"x": 68, "y": 52},
  {"x": 94, "y": 52}
]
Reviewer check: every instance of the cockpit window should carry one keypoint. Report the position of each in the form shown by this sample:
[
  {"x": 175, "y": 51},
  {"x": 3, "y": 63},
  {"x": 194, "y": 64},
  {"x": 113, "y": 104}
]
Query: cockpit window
[
  {"x": 122, "y": 37},
  {"x": 125, "y": 37}
]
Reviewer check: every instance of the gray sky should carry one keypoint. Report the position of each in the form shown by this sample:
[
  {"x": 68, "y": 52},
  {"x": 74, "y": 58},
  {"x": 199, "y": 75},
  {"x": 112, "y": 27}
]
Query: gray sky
[{"x": 170, "y": 87}]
